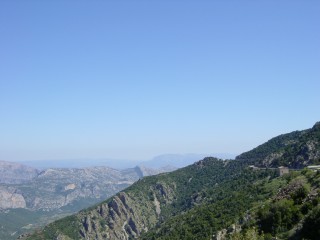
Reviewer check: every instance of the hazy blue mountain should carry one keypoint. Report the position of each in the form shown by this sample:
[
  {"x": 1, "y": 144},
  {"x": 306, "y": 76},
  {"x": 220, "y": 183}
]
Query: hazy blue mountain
[
  {"x": 11, "y": 172},
  {"x": 82, "y": 163},
  {"x": 181, "y": 160},
  {"x": 161, "y": 161}
]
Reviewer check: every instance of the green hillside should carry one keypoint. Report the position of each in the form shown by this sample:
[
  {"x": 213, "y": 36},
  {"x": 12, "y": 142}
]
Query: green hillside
[
  {"x": 296, "y": 150},
  {"x": 211, "y": 199}
]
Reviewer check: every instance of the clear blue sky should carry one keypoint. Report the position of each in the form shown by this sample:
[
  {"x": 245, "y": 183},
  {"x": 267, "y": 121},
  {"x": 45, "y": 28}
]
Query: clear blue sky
[{"x": 133, "y": 79}]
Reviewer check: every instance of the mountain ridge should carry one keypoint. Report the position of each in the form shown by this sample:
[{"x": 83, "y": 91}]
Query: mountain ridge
[{"x": 295, "y": 150}]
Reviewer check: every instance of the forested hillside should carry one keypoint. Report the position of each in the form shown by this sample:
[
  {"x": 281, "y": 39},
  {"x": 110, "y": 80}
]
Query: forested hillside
[{"x": 296, "y": 150}]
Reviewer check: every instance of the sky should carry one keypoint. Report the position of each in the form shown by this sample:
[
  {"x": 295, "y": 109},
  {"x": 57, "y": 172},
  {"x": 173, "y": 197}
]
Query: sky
[{"x": 135, "y": 79}]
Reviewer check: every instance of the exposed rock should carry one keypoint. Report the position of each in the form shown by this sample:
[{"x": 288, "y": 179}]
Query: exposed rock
[
  {"x": 220, "y": 235},
  {"x": 267, "y": 161},
  {"x": 70, "y": 187},
  {"x": 123, "y": 217},
  {"x": 157, "y": 204},
  {"x": 225, "y": 234},
  {"x": 10, "y": 198}
]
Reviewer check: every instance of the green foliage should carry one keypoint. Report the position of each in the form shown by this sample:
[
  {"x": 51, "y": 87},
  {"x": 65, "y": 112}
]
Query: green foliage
[
  {"x": 311, "y": 225},
  {"x": 291, "y": 149},
  {"x": 300, "y": 194},
  {"x": 20, "y": 221},
  {"x": 278, "y": 217},
  {"x": 277, "y": 144},
  {"x": 103, "y": 223},
  {"x": 224, "y": 205},
  {"x": 68, "y": 226}
]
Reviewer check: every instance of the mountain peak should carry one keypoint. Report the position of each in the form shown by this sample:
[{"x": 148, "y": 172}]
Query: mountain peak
[{"x": 316, "y": 126}]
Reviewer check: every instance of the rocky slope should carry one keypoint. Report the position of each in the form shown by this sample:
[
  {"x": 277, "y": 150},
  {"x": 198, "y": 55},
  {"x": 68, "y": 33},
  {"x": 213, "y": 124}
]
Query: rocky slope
[
  {"x": 11, "y": 198},
  {"x": 14, "y": 173},
  {"x": 197, "y": 201}
]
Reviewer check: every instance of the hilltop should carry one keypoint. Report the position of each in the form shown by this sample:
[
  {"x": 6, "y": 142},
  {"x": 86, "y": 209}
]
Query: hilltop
[{"x": 295, "y": 150}]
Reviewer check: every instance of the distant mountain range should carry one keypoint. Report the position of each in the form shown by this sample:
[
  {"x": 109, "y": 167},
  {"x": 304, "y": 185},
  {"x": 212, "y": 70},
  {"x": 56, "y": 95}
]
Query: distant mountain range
[
  {"x": 16, "y": 173},
  {"x": 213, "y": 199},
  {"x": 164, "y": 160}
]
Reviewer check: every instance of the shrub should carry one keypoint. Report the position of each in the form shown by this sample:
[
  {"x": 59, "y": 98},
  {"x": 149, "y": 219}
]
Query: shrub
[{"x": 311, "y": 225}]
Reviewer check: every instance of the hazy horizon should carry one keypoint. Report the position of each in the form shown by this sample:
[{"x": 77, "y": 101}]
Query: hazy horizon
[
  {"x": 83, "y": 159},
  {"x": 132, "y": 80}
]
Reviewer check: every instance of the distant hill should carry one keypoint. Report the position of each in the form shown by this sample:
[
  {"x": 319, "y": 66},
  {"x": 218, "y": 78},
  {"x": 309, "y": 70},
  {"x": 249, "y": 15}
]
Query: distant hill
[
  {"x": 82, "y": 163},
  {"x": 13, "y": 173},
  {"x": 296, "y": 150},
  {"x": 212, "y": 199},
  {"x": 181, "y": 160},
  {"x": 157, "y": 162}
]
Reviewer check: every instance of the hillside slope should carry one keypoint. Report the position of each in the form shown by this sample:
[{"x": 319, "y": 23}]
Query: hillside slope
[{"x": 296, "y": 150}]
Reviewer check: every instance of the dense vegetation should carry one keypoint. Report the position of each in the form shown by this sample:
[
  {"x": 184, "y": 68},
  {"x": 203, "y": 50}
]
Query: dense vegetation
[
  {"x": 293, "y": 213},
  {"x": 226, "y": 204},
  {"x": 296, "y": 150}
]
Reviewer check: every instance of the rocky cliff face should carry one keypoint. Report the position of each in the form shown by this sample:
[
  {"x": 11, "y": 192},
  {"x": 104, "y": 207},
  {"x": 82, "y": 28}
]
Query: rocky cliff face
[
  {"x": 11, "y": 198},
  {"x": 14, "y": 173},
  {"x": 124, "y": 217}
]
